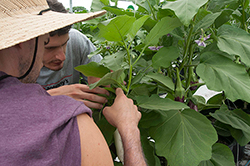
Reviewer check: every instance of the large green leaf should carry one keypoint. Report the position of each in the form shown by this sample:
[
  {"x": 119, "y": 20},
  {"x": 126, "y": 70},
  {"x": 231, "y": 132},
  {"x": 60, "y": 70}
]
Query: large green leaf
[
  {"x": 184, "y": 138},
  {"x": 217, "y": 5},
  {"x": 221, "y": 156},
  {"x": 222, "y": 74},
  {"x": 206, "y": 21},
  {"x": 223, "y": 18},
  {"x": 165, "y": 56},
  {"x": 92, "y": 69},
  {"x": 115, "y": 77},
  {"x": 156, "y": 103},
  {"x": 97, "y": 5},
  {"x": 238, "y": 119},
  {"x": 147, "y": 4},
  {"x": 148, "y": 25},
  {"x": 166, "y": 81},
  {"x": 148, "y": 149},
  {"x": 136, "y": 26},
  {"x": 117, "y": 28},
  {"x": 185, "y": 9},
  {"x": 114, "y": 61},
  {"x": 163, "y": 27},
  {"x": 235, "y": 41}
]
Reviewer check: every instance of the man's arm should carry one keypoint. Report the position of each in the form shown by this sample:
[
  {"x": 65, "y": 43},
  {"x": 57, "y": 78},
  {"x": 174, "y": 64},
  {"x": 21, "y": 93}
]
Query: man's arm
[
  {"x": 94, "y": 149},
  {"x": 82, "y": 93},
  {"x": 124, "y": 115}
]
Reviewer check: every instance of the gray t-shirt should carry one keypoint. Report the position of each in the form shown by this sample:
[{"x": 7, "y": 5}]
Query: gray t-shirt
[
  {"x": 38, "y": 129},
  {"x": 77, "y": 51}
]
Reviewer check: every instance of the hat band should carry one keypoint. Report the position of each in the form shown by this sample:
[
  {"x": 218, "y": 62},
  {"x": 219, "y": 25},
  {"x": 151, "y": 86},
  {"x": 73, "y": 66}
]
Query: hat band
[{"x": 42, "y": 11}]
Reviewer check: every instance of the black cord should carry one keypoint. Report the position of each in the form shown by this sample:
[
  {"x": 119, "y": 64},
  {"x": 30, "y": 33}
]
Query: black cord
[
  {"x": 4, "y": 76},
  {"x": 33, "y": 61}
]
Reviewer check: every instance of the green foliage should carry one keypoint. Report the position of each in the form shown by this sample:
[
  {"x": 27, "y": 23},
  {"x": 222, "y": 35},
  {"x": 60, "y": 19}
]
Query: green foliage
[{"x": 153, "y": 55}]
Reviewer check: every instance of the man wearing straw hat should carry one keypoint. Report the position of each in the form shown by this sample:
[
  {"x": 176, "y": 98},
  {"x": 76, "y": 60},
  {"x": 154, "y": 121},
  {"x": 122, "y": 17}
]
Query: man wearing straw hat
[
  {"x": 39, "y": 129},
  {"x": 67, "y": 49}
]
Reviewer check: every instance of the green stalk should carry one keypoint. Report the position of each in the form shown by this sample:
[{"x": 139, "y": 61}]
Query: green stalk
[
  {"x": 130, "y": 66},
  {"x": 152, "y": 10},
  {"x": 187, "y": 47},
  {"x": 244, "y": 16},
  {"x": 190, "y": 68},
  {"x": 213, "y": 35},
  {"x": 139, "y": 56},
  {"x": 129, "y": 61}
]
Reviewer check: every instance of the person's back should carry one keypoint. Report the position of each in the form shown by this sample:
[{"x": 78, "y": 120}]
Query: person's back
[{"x": 36, "y": 128}]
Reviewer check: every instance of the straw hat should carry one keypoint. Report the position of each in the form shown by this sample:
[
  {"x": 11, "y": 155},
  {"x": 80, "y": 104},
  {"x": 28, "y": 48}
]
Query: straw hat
[{"x": 19, "y": 20}]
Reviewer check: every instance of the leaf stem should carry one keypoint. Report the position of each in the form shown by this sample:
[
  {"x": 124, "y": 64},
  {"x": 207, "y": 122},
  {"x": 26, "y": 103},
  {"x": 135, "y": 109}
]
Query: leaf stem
[
  {"x": 187, "y": 47},
  {"x": 152, "y": 10},
  {"x": 139, "y": 56},
  {"x": 244, "y": 16}
]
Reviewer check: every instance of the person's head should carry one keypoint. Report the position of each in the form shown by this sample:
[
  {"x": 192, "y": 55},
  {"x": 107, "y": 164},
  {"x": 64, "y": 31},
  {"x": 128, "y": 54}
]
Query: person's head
[
  {"x": 24, "y": 28},
  {"x": 54, "y": 55}
]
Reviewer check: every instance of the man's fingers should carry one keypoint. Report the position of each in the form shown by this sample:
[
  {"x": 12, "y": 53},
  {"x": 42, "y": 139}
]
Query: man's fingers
[
  {"x": 96, "y": 90},
  {"x": 92, "y": 104},
  {"x": 94, "y": 98}
]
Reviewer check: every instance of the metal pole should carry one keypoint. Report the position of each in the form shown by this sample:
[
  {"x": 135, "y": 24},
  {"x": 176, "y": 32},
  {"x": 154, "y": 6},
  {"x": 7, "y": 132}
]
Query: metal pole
[{"x": 70, "y": 6}]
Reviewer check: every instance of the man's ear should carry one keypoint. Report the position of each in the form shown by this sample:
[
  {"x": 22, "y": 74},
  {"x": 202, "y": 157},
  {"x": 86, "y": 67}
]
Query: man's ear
[{"x": 22, "y": 45}]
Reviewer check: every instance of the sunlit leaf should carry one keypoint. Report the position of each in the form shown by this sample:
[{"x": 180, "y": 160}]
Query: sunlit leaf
[
  {"x": 115, "y": 77},
  {"x": 165, "y": 26},
  {"x": 117, "y": 28},
  {"x": 136, "y": 26},
  {"x": 92, "y": 69},
  {"x": 185, "y": 9},
  {"x": 114, "y": 61}
]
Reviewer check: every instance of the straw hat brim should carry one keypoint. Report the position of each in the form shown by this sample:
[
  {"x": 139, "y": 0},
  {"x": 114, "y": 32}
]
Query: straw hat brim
[{"x": 14, "y": 30}]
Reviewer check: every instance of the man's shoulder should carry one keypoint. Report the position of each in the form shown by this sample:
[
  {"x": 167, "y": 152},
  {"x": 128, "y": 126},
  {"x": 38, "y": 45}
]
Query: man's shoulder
[
  {"x": 76, "y": 34},
  {"x": 76, "y": 39}
]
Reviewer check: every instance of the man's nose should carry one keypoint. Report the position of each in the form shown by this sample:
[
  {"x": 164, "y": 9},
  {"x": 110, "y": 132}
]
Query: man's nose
[{"x": 61, "y": 54}]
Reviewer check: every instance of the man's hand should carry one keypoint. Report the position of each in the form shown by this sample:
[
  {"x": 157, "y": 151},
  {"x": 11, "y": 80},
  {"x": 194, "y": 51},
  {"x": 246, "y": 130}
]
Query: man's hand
[
  {"x": 124, "y": 115},
  {"x": 82, "y": 93},
  {"x": 123, "y": 112}
]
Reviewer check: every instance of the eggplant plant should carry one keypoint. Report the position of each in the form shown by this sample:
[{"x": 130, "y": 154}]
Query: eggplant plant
[{"x": 160, "y": 54}]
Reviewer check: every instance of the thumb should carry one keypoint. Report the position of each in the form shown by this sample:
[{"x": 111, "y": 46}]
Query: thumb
[
  {"x": 105, "y": 109},
  {"x": 119, "y": 91}
]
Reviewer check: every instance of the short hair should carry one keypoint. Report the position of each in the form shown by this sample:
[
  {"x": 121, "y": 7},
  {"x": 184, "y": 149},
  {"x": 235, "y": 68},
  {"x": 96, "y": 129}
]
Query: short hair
[{"x": 58, "y": 7}]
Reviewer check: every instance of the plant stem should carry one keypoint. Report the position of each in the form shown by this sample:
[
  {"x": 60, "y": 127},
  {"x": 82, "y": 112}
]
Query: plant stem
[
  {"x": 130, "y": 66},
  {"x": 244, "y": 16},
  {"x": 152, "y": 10},
  {"x": 139, "y": 56},
  {"x": 187, "y": 47},
  {"x": 190, "y": 68},
  {"x": 213, "y": 35}
]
